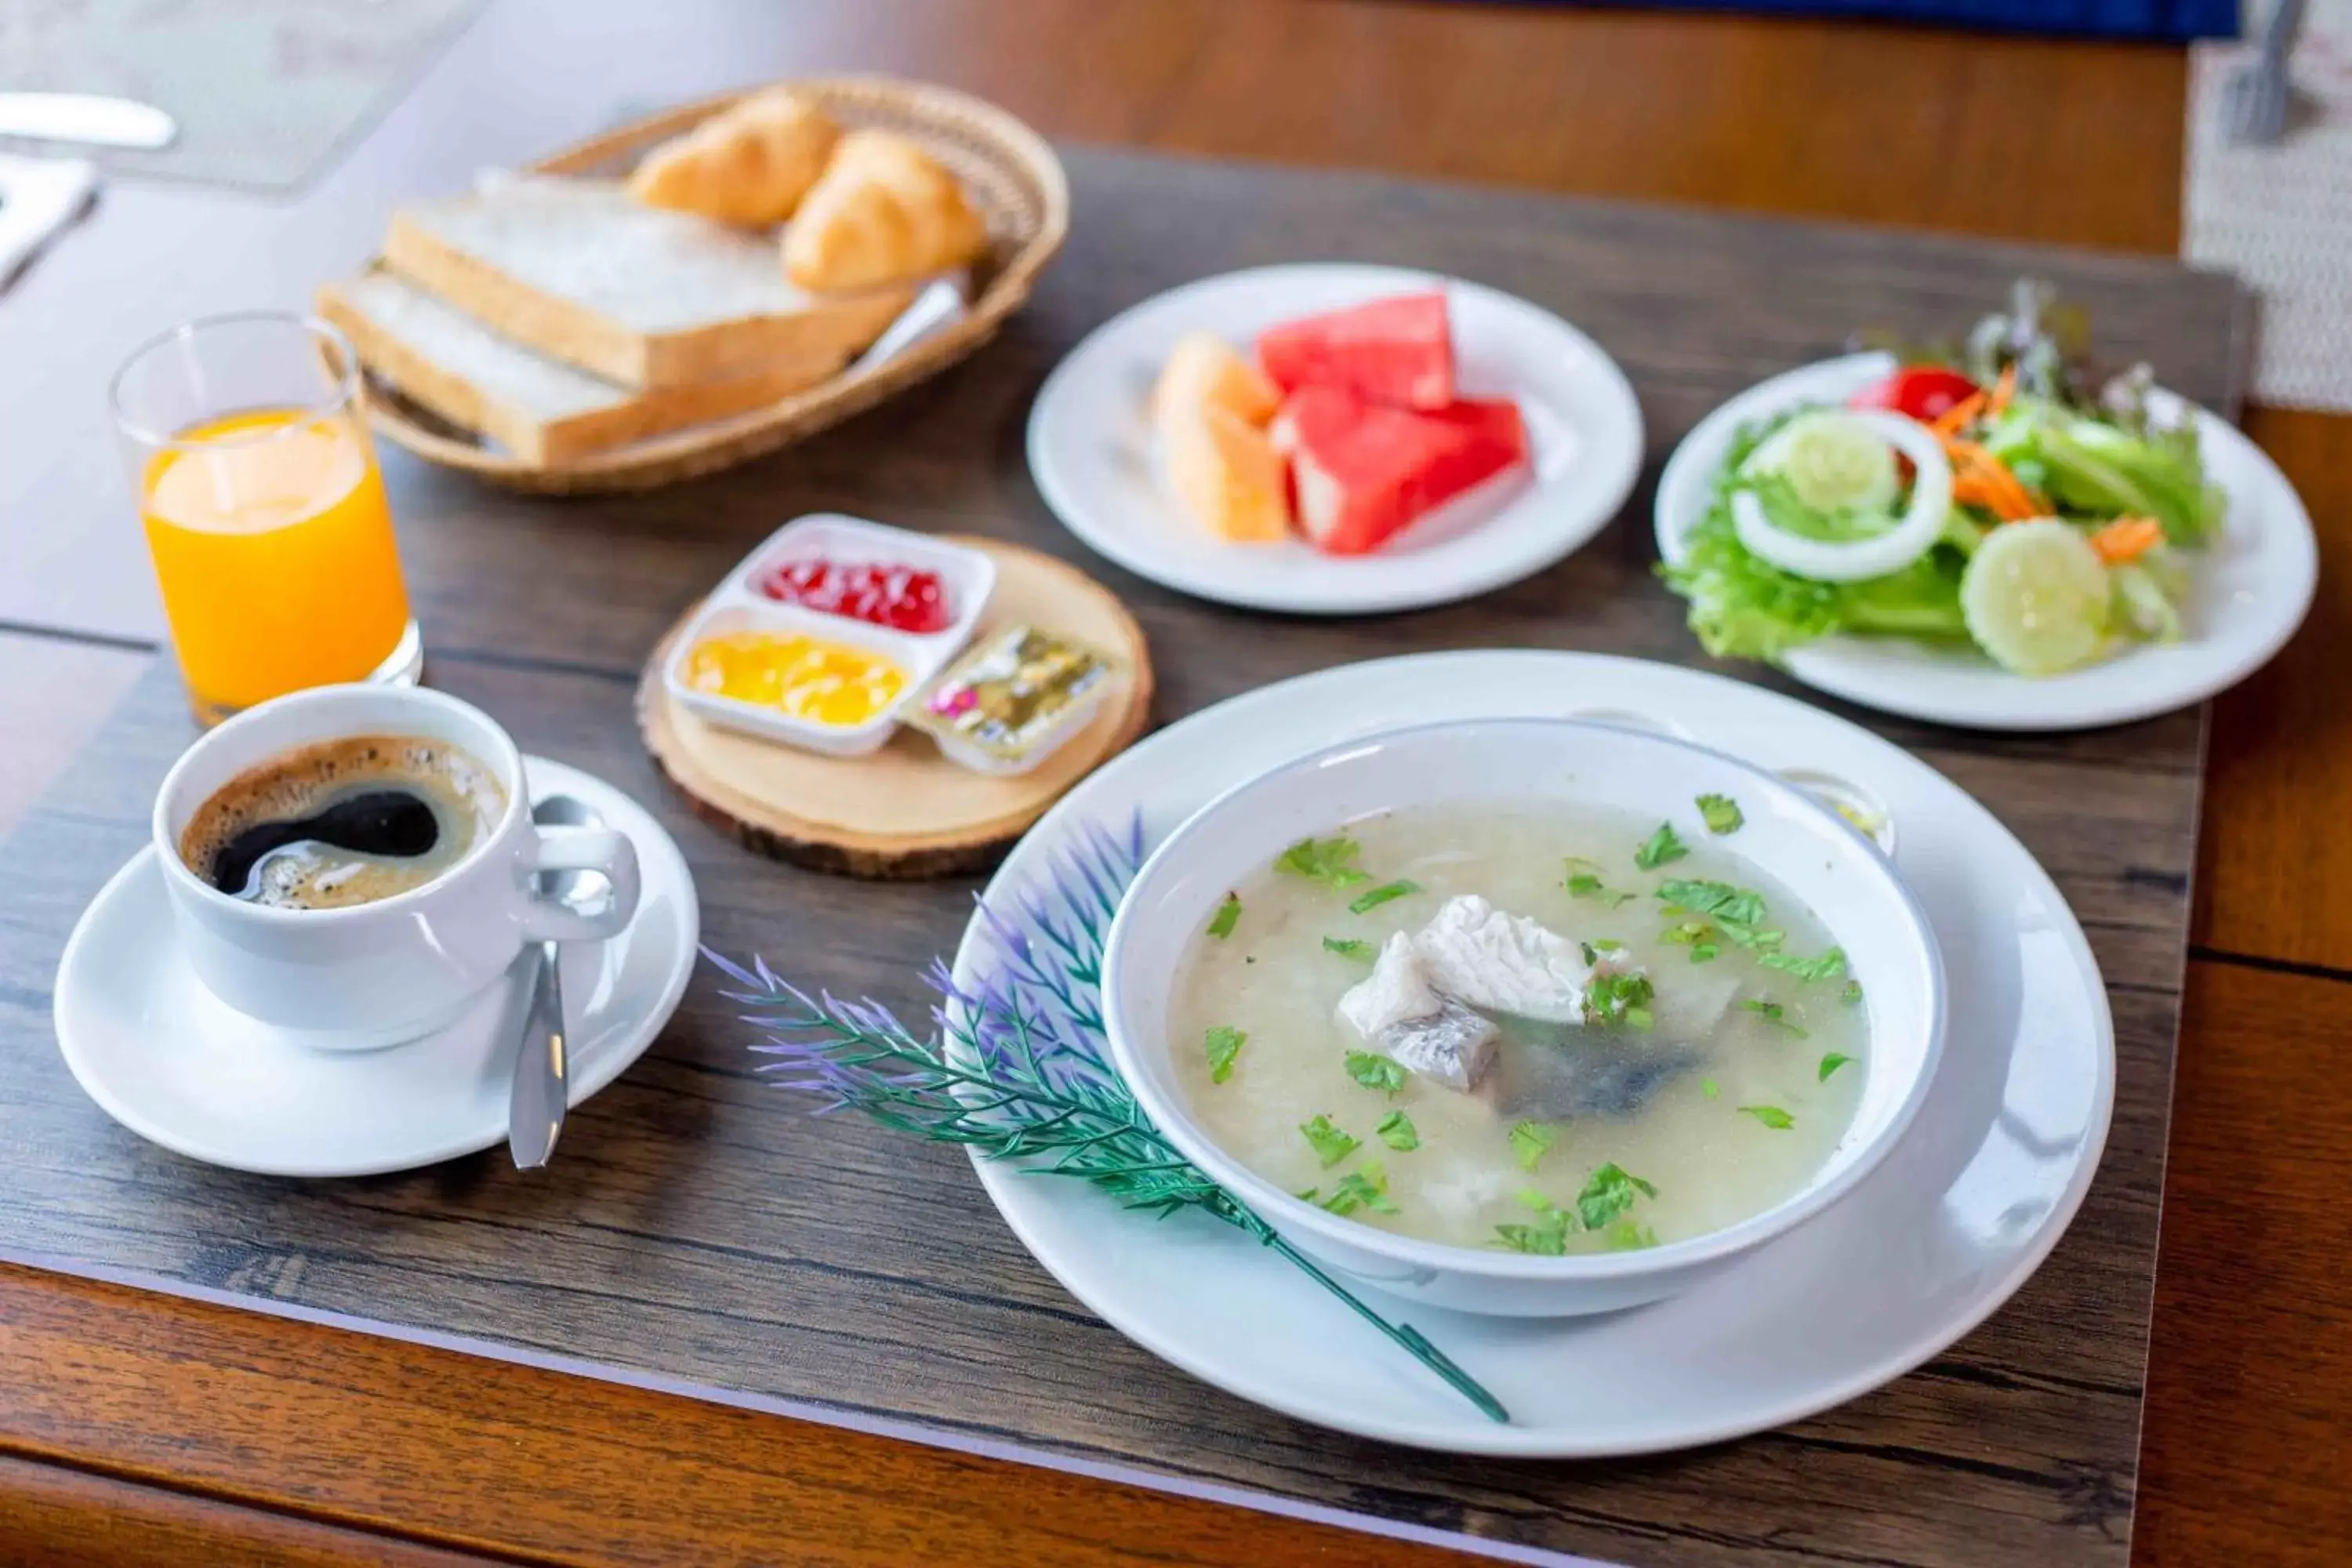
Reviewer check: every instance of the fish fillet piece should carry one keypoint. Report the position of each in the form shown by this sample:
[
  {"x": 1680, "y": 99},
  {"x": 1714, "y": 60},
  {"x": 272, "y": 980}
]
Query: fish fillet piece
[
  {"x": 1394, "y": 1010},
  {"x": 1396, "y": 990},
  {"x": 1452, "y": 1046},
  {"x": 1502, "y": 963},
  {"x": 1592, "y": 1072}
]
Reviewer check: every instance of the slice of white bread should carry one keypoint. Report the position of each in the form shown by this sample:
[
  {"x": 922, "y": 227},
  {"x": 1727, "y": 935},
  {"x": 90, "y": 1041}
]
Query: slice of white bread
[
  {"x": 546, "y": 413},
  {"x": 645, "y": 297}
]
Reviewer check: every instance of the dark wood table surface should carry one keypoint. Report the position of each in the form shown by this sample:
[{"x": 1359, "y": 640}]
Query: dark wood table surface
[{"x": 135, "y": 1428}]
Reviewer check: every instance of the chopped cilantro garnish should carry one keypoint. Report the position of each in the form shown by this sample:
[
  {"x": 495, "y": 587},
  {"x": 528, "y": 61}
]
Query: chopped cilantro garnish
[
  {"x": 1851, "y": 995},
  {"x": 1324, "y": 861},
  {"x": 1622, "y": 998},
  {"x": 1706, "y": 1088},
  {"x": 1396, "y": 1131},
  {"x": 1772, "y": 1116},
  {"x": 1596, "y": 946},
  {"x": 1610, "y": 1193},
  {"x": 1330, "y": 1144},
  {"x": 1628, "y": 1235},
  {"x": 1225, "y": 1043},
  {"x": 1831, "y": 1063},
  {"x": 1547, "y": 1238},
  {"x": 1529, "y": 1142},
  {"x": 1696, "y": 936},
  {"x": 1365, "y": 903},
  {"x": 1584, "y": 882},
  {"x": 1349, "y": 947},
  {"x": 1375, "y": 1071},
  {"x": 1828, "y": 966},
  {"x": 1722, "y": 813},
  {"x": 1662, "y": 848},
  {"x": 1719, "y": 901},
  {"x": 1228, "y": 915},
  {"x": 1365, "y": 1188},
  {"x": 1775, "y": 1015}
]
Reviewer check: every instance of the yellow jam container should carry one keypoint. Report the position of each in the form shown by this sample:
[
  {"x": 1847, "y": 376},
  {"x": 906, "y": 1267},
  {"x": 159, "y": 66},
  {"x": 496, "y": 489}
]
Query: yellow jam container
[{"x": 813, "y": 679}]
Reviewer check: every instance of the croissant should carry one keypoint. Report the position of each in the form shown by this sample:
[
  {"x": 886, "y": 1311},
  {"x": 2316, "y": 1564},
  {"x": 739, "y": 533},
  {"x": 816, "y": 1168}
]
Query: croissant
[
  {"x": 750, "y": 165},
  {"x": 883, "y": 210}
]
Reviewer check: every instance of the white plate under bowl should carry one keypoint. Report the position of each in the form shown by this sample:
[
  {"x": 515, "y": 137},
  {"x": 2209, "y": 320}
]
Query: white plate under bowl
[
  {"x": 2250, "y": 589},
  {"x": 164, "y": 1058},
  {"x": 1945, "y": 1231},
  {"x": 1090, "y": 448}
]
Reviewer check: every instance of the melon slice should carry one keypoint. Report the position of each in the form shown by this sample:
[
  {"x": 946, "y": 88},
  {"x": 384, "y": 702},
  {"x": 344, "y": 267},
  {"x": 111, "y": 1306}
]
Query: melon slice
[
  {"x": 1398, "y": 352},
  {"x": 1203, "y": 370},
  {"x": 1365, "y": 471},
  {"x": 1226, "y": 473}
]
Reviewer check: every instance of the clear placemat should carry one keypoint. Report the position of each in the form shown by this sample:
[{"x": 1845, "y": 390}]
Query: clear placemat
[
  {"x": 2281, "y": 216},
  {"x": 264, "y": 90}
]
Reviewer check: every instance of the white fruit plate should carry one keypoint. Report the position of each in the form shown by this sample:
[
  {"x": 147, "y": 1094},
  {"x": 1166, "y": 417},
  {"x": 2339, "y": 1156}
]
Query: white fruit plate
[{"x": 1091, "y": 452}]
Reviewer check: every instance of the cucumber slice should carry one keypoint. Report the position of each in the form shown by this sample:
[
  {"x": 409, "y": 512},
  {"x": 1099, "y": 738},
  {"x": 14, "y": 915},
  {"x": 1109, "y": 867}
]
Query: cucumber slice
[
  {"x": 1907, "y": 539},
  {"x": 2036, "y": 598},
  {"x": 1833, "y": 460}
]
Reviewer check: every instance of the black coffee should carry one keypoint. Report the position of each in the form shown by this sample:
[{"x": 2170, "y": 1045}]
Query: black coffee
[{"x": 343, "y": 823}]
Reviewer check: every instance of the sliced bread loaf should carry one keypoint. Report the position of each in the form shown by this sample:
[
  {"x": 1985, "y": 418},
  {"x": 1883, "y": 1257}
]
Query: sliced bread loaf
[
  {"x": 638, "y": 295},
  {"x": 545, "y": 412}
]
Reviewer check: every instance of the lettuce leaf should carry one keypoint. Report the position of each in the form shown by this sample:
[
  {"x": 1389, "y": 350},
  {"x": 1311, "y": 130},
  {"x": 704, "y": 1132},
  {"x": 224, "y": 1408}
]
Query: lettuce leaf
[
  {"x": 2093, "y": 468},
  {"x": 1744, "y": 607}
]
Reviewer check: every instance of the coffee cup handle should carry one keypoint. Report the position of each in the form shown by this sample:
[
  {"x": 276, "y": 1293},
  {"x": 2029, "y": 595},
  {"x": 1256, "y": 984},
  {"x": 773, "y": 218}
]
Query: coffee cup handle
[{"x": 599, "y": 849}]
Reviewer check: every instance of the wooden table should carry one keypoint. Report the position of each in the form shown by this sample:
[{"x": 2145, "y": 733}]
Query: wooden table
[{"x": 135, "y": 1428}]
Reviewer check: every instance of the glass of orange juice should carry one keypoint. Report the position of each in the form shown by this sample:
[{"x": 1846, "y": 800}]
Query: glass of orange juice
[{"x": 264, "y": 510}]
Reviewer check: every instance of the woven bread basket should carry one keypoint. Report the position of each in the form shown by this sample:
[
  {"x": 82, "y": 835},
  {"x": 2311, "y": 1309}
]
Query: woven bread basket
[{"x": 1012, "y": 176}]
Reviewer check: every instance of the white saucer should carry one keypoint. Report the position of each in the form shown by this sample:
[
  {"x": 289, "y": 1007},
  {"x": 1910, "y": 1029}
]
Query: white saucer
[
  {"x": 1963, "y": 1210},
  {"x": 161, "y": 1055},
  {"x": 2251, "y": 589},
  {"x": 1090, "y": 448}
]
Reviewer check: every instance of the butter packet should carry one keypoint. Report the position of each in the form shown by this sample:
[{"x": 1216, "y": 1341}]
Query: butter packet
[{"x": 1013, "y": 699}]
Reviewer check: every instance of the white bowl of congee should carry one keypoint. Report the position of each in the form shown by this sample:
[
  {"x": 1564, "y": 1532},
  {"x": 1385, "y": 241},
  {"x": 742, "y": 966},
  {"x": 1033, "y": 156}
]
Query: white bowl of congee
[{"x": 1532, "y": 1017}]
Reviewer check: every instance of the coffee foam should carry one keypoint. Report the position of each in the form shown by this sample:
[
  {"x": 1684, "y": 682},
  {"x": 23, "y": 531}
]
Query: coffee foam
[{"x": 463, "y": 792}]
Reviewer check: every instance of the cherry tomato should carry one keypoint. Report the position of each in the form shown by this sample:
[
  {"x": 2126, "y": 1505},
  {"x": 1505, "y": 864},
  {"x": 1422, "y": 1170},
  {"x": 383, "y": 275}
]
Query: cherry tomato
[{"x": 1921, "y": 391}]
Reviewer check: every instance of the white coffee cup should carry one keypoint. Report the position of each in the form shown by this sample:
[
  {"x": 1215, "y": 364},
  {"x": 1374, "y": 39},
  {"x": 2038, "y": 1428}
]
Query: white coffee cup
[{"x": 368, "y": 975}]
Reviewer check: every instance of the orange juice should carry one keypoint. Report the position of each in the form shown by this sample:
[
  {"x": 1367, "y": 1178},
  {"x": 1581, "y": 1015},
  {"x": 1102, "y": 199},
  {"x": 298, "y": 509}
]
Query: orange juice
[{"x": 273, "y": 543}]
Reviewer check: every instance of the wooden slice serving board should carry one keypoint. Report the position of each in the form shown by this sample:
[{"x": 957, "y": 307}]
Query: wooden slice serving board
[{"x": 904, "y": 811}]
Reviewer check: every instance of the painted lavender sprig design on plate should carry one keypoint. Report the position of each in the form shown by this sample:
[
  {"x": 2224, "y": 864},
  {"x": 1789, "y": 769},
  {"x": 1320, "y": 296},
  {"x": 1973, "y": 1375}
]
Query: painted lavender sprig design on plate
[{"x": 1013, "y": 1067}]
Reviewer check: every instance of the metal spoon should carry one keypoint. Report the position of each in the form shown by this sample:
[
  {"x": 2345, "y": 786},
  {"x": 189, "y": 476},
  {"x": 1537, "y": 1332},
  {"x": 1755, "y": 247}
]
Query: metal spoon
[{"x": 542, "y": 1061}]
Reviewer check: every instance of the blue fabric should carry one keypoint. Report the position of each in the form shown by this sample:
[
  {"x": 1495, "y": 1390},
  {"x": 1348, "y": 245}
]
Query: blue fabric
[{"x": 2170, "y": 21}]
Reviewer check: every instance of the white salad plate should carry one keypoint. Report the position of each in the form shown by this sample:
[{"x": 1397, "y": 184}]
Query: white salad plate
[
  {"x": 178, "y": 1067},
  {"x": 1962, "y": 1210},
  {"x": 1092, "y": 455},
  {"x": 2250, "y": 589}
]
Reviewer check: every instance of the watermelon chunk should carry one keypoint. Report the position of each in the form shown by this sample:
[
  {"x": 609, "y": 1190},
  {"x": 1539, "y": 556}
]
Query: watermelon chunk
[
  {"x": 1398, "y": 352},
  {"x": 1364, "y": 471}
]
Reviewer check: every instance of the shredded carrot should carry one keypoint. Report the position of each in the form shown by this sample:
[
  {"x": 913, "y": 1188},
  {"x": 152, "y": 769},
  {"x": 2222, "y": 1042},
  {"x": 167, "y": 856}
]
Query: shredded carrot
[
  {"x": 1959, "y": 415},
  {"x": 2127, "y": 539},
  {"x": 2003, "y": 389},
  {"x": 1979, "y": 478}
]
